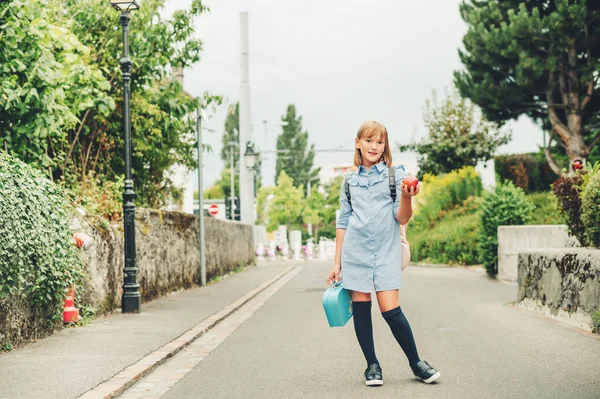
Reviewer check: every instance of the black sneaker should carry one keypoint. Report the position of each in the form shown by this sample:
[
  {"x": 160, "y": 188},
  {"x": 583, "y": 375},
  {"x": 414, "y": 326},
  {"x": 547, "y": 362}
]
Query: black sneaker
[
  {"x": 425, "y": 372},
  {"x": 373, "y": 375}
]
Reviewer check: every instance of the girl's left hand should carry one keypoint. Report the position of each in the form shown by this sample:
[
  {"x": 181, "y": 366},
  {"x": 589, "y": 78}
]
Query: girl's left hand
[{"x": 410, "y": 192}]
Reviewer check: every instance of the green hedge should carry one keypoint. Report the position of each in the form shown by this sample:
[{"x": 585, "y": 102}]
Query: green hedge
[
  {"x": 506, "y": 206},
  {"x": 452, "y": 240},
  {"x": 545, "y": 209},
  {"x": 443, "y": 193},
  {"x": 527, "y": 171},
  {"x": 37, "y": 258},
  {"x": 590, "y": 210}
]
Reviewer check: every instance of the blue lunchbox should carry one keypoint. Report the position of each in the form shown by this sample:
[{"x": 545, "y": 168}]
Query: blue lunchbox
[{"x": 337, "y": 304}]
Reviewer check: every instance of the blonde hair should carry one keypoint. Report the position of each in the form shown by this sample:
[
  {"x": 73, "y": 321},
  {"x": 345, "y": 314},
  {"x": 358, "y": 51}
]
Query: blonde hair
[{"x": 372, "y": 130}]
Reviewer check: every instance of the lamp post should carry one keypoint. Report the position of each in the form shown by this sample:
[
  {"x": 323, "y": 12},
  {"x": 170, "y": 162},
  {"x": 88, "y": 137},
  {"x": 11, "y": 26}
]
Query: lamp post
[
  {"x": 131, "y": 300},
  {"x": 201, "y": 236},
  {"x": 251, "y": 158}
]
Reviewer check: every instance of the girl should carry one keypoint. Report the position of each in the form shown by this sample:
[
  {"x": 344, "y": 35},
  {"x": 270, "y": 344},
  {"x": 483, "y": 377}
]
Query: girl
[{"x": 368, "y": 247}]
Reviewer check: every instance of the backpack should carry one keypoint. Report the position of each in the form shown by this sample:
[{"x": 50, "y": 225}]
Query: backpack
[{"x": 403, "y": 243}]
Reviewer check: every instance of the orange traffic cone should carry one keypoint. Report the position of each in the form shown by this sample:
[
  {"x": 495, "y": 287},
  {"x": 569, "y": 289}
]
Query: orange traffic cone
[{"x": 70, "y": 313}]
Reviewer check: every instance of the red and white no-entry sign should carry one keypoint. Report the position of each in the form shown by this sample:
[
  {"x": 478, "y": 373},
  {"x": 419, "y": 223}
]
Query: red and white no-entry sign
[{"x": 213, "y": 209}]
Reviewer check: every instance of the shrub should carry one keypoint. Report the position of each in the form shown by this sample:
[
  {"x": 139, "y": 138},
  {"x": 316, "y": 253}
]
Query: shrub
[
  {"x": 596, "y": 321},
  {"x": 545, "y": 209},
  {"x": 527, "y": 171},
  {"x": 567, "y": 192},
  {"x": 590, "y": 211},
  {"x": 99, "y": 196},
  {"x": 507, "y": 205},
  {"x": 37, "y": 259},
  {"x": 445, "y": 192},
  {"x": 452, "y": 240},
  {"x": 326, "y": 232}
]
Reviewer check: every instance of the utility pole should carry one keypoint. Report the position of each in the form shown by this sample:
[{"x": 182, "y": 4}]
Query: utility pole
[
  {"x": 201, "y": 198},
  {"x": 309, "y": 226},
  {"x": 245, "y": 179}
]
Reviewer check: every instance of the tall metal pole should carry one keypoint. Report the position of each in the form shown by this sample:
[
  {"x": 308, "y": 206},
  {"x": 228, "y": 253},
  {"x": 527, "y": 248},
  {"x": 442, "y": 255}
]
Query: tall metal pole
[
  {"x": 131, "y": 300},
  {"x": 309, "y": 226},
  {"x": 245, "y": 179},
  {"x": 232, "y": 179},
  {"x": 202, "y": 244},
  {"x": 263, "y": 156}
]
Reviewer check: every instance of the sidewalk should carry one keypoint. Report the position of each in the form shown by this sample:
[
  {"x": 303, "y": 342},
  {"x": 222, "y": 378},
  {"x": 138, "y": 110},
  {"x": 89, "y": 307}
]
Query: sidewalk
[{"x": 75, "y": 360}]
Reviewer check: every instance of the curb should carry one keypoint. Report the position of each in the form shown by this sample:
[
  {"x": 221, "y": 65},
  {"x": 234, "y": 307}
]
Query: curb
[{"x": 122, "y": 381}]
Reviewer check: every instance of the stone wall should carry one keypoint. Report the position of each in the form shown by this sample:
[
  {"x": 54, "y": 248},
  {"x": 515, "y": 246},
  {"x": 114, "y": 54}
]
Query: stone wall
[
  {"x": 167, "y": 255},
  {"x": 514, "y": 239},
  {"x": 167, "y": 259},
  {"x": 562, "y": 283}
]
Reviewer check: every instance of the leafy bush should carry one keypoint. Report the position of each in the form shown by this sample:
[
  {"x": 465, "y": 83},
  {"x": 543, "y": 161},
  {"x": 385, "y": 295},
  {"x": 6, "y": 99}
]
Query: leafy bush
[
  {"x": 590, "y": 211},
  {"x": 37, "y": 259},
  {"x": 445, "y": 192},
  {"x": 596, "y": 321},
  {"x": 452, "y": 240},
  {"x": 567, "y": 192},
  {"x": 527, "y": 171},
  {"x": 100, "y": 196},
  {"x": 326, "y": 232},
  {"x": 545, "y": 209},
  {"x": 507, "y": 205}
]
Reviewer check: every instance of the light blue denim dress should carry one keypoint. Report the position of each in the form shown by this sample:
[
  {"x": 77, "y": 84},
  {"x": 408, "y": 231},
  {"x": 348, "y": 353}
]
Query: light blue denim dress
[{"x": 371, "y": 252}]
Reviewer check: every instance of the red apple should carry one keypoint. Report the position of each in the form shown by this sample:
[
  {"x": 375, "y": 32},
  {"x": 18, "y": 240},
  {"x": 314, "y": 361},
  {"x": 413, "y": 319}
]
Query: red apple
[
  {"x": 410, "y": 182},
  {"x": 577, "y": 164}
]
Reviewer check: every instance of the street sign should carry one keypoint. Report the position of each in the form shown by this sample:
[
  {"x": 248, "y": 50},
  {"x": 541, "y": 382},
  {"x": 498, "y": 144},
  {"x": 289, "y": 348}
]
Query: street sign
[{"x": 213, "y": 209}]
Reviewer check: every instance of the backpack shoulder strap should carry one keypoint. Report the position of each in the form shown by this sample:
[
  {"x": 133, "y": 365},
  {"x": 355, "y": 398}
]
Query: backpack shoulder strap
[
  {"x": 392, "y": 181},
  {"x": 347, "y": 189}
]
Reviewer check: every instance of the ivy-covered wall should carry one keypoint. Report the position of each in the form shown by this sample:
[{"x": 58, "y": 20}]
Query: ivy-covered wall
[
  {"x": 39, "y": 261},
  {"x": 167, "y": 259},
  {"x": 37, "y": 258}
]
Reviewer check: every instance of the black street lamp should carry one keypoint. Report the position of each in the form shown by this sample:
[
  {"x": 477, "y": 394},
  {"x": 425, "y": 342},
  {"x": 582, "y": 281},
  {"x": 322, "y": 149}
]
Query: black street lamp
[{"x": 131, "y": 300}]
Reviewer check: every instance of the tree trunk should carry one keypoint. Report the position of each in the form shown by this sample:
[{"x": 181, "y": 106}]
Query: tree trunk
[{"x": 569, "y": 132}]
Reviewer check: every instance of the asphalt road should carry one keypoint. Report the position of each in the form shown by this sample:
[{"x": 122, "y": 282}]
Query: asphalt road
[{"x": 465, "y": 325}]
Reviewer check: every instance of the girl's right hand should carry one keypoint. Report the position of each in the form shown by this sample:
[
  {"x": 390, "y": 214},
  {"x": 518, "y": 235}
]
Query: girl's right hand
[{"x": 334, "y": 275}]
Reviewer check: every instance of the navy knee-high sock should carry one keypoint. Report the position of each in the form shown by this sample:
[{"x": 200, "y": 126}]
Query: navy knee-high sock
[
  {"x": 363, "y": 326},
  {"x": 403, "y": 333}
]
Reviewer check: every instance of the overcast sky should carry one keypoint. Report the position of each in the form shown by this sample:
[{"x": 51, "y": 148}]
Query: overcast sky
[{"x": 340, "y": 63}]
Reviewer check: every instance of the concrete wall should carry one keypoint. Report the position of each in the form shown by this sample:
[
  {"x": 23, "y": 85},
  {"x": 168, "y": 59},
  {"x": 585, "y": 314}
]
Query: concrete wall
[
  {"x": 562, "y": 283},
  {"x": 167, "y": 259},
  {"x": 515, "y": 239}
]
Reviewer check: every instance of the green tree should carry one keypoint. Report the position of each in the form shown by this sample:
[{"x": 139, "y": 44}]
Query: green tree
[
  {"x": 47, "y": 81},
  {"x": 263, "y": 202},
  {"x": 332, "y": 201},
  {"x": 61, "y": 94},
  {"x": 231, "y": 134},
  {"x": 214, "y": 192},
  {"x": 456, "y": 137},
  {"x": 314, "y": 210},
  {"x": 223, "y": 185},
  {"x": 163, "y": 126},
  {"x": 295, "y": 157},
  {"x": 536, "y": 58},
  {"x": 287, "y": 203}
]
